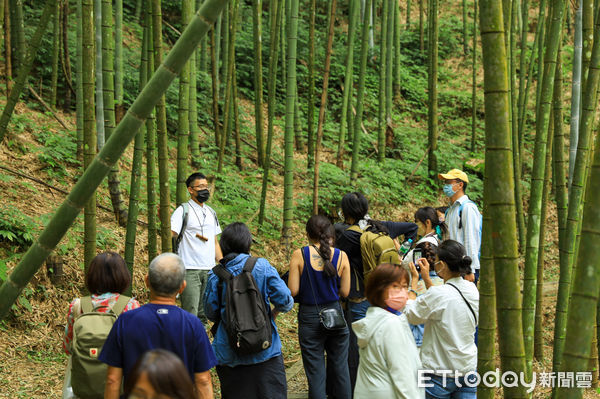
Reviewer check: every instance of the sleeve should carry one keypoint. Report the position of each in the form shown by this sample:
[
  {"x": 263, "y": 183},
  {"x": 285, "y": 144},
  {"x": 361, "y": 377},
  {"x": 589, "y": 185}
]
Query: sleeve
[
  {"x": 177, "y": 220},
  {"x": 399, "y": 362},
  {"x": 112, "y": 349},
  {"x": 205, "y": 358},
  {"x": 425, "y": 307},
  {"x": 211, "y": 298},
  {"x": 68, "y": 337},
  {"x": 406, "y": 229},
  {"x": 471, "y": 228},
  {"x": 278, "y": 292}
]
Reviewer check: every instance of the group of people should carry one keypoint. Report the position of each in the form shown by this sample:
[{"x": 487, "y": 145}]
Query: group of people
[{"x": 362, "y": 333}]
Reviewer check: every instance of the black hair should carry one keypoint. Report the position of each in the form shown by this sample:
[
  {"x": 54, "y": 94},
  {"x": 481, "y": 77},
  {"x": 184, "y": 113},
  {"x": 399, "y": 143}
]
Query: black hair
[
  {"x": 165, "y": 372},
  {"x": 236, "y": 238},
  {"x": 454, "y": 255},
  {"x": 375, "y": 226},
  {"x": 355, "y": 205},
  {"x": 319, "y": 228},
  {"x": 429, "y": 213},
  {"x": 465, "y": 184},
  {"x": 428, "y": 251},
  {"x": 107, "y": 272},
  {"x": 193, "y": 177},
  {"x": 442, "y": 209}
]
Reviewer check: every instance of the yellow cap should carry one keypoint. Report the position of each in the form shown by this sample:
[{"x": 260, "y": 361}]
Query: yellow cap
[{"x": 454, "y": 174}]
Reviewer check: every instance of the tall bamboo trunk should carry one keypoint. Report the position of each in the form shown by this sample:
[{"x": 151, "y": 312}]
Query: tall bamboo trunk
[
  {"x": 537, "y": 179},
  {"x": 575, "y": 204},
  {"x": 432, "y": 120},
  {"x": 389, "y": 94},
  {"x": 151, "y": 147},
  {"x": 474, "y": 81},
  {"x": 421, "y": 26},
  {"x": 288, "y": 179},
  {"x": 66, "y": 57},
  {"x": 397, "y": 51},
  {"x": 323, "y": 106},
  {"x": 465, "y": 32},
  {"x": 383, "y": 51},
  {"x": 114, "y": 148},
  {"x": 227, "y": 115},
  {"x": 25, "y": 68},
  {"x": 275, "y": 12},
  {"x": 214, "y": 68},
  {"x": 161, "y": 133},
  {"x": 360, "y": 91},
  {"x": 118, "y": 68},
  {"x": 515, "y": 121},
  {"x": 586, "y": 282},
  {"x": 108, "y": 79},
  {"x": 183, "y": 131},
  {"x": 18, "y": 34},
  {"x": 193, "y": 101},
  {"x": 486, "y": 345},
  {"x": 501, "y": 197},
  {"x": 136, "y": 167},
  {"x": 89, "y": 128},
  {"x": 79, "y": 93},
  {"x": 347, "y": 98},
  {"x": 7, "y": 48},
  {"x": 55, "y": 54},
  {"x": 310, "y": 107},
  {"x": 100, "y": 122},
  {"x": 576, "y": 86},
  {"x": 258, "y": 80}
]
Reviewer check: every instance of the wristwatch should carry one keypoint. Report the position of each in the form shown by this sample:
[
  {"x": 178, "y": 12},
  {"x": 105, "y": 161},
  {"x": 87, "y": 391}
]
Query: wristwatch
[{"x": 413, "y": 291}]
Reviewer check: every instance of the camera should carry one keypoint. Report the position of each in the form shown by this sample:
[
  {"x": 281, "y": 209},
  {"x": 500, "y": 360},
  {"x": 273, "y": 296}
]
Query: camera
[{"x": 417, "y": 254}]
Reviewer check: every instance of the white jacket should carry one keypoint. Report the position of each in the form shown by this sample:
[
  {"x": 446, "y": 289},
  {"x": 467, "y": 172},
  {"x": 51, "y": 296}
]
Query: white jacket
[{"x": 389, "y": 361}]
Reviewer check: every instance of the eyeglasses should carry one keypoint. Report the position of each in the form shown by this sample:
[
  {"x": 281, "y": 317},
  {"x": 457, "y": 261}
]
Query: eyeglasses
[{"x": 204, "y": 187}]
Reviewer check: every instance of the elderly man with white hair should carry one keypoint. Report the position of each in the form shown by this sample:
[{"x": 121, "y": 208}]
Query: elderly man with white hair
[{"x": 159, "y": 324}]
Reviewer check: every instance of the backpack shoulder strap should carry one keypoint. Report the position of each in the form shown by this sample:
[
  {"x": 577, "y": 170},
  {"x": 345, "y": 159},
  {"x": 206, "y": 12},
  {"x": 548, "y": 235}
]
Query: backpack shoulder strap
[
  {"x": 465, "y": 299},
  {"x": 355, "y": 228},
  {"x": 86, "y": 304},
  {"x": 120, "y": 305},
  {"x": 250, "y": 263},
  {"x": 221, "y": 272},
  {"x": 186, "y": 212}
]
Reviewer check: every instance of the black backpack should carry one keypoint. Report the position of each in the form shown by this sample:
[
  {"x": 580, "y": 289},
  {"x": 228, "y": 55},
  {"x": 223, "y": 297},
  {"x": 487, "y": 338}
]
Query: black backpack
[{"x": 247, "y": 322}]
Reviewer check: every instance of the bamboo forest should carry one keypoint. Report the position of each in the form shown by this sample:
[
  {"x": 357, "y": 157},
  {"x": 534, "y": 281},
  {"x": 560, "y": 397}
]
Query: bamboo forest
[{"x": 120, "y": 119}]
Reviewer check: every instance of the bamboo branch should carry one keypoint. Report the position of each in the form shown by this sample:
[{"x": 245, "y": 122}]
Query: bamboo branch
[{"x": 47, "y": 107}]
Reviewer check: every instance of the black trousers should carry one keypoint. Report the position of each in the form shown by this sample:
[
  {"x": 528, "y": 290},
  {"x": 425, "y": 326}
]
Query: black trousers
[{"x": 255, "y": 381}]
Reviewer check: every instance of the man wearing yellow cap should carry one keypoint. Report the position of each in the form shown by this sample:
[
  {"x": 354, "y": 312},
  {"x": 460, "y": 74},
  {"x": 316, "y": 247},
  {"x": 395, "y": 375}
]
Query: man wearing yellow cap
[{"x": 463, "y": 218}]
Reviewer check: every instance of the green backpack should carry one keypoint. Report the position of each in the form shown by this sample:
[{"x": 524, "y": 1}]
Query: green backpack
[
  {"x": 375, "y": 249},
  {"x": 88, "y": 374}
]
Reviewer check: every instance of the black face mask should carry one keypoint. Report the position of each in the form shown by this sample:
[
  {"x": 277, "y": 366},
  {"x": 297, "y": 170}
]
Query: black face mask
[{"x": 202, "y": 195}]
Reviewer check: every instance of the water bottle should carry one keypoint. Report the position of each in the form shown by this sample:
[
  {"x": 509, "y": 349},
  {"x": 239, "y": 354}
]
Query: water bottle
[{"x": 405, "y": 247}]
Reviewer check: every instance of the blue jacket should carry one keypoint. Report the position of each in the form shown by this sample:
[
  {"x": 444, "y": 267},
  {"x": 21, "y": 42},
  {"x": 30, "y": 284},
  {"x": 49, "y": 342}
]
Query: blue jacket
[{"x": 274, "y": 291}]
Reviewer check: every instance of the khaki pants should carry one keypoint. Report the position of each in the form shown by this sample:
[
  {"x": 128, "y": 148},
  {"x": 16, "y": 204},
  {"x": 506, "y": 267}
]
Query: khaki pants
[{"x": 193, "y": 296}]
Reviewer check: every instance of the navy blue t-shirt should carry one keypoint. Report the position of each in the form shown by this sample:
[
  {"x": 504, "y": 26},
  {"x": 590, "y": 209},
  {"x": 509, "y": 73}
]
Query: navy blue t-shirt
[{"x": 158, "y": 326}]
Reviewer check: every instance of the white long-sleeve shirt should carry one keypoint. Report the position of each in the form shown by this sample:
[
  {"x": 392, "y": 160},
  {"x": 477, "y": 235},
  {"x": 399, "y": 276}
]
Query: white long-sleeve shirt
[
  {"x": 469, "y": 235},
  {"x": 448, "y": 340}
]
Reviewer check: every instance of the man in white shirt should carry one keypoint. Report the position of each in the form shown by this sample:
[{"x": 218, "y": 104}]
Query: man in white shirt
[
  {"x": 198, "y": 245},
  {"x": 463, "y": 218}
]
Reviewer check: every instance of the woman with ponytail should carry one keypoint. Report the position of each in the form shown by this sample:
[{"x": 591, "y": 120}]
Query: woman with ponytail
[
  {"x": 450, "y": 313},
  {"x": 319, "y": 276}
]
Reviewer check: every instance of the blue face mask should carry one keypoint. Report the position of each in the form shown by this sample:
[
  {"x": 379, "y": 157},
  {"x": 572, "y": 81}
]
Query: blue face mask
[{"x": 448, "y": 190}]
